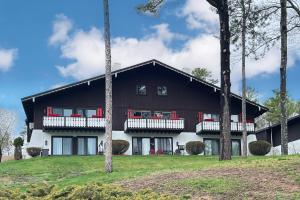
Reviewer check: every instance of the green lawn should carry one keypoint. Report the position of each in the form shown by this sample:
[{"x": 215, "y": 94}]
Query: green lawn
[{"x": 76, "y": 170}]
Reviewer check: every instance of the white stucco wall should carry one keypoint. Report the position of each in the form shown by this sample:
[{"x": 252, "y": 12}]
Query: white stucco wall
[
  {"x": 39, "y": 137},
  {"x": 294, "y": 148}
]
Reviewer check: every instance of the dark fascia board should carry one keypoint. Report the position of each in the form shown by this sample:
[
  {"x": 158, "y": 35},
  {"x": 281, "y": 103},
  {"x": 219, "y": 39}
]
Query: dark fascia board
[
  {"x": 154, "y": 62},
  {"x": 277, "y": 124}
]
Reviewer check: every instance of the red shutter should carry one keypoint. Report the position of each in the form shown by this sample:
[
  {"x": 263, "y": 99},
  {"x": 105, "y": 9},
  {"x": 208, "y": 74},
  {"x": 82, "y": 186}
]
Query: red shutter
[
  {"x": 99, "y": 112},
  {"x": 129, "y": 114},
  {"x": 200, "y": 117},
  {"x": 49, "y": 111},
  {"x": 174, "y": 115}
]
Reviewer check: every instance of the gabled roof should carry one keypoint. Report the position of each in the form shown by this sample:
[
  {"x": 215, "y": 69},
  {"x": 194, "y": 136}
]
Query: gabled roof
[{"x": 154, "y": 62}]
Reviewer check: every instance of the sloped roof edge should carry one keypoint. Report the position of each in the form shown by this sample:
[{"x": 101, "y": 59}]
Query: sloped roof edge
[{"x": 153, "y": 61}]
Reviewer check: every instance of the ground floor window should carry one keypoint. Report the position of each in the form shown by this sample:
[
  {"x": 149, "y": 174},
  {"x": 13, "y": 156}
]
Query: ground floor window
[
  {"x": 212, "y": 147},
  {"x": 62, "y": 146},
  {"x": 74, "y": 145},
  {"x": 86, "y": 145},
  {"x": 146, "y": 146}
]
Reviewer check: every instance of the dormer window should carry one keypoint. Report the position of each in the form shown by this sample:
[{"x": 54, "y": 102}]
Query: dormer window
[
  {"x": 141, "y": 90},
  {"x": 162, "y": 91}
]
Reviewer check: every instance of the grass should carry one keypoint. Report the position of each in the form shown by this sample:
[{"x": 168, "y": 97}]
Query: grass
[{"x": 79, "y": 170}]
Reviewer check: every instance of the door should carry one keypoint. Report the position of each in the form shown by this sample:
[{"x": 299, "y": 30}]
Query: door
[
  {"x": 146, "y": 146},
  {"x": 236, "y": 147},
  {"x": 136, "y": 146}
]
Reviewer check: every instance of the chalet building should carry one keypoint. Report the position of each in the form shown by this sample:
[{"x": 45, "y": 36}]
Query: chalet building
[
  {"x": 273, "y": 135},
  {"x": 156, "y": 108}
]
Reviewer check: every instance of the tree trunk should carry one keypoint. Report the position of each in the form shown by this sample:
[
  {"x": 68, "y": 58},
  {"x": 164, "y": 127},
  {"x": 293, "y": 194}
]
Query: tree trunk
[
  {"x": 244, "y": 152},
  {"x": 0, "y": 154},
  {"x": 283, "y": 30},
  {"x": 108, "y": 90},
  {"x": 225, "y": 122}
]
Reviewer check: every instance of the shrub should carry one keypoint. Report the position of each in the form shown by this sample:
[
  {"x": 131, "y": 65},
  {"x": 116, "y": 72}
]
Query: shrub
[
  {"x": 89, "y": 191},
  {"x": 259, "y": 148},
  {"x": 34, "y": 151},
  {"x": 177, "y": 152},
  {"x": 194, "y": 147},
  {"x": 119, "y": 147},
  {"x": 18, "y": 142},
  {"x": 159, "y": 152}
]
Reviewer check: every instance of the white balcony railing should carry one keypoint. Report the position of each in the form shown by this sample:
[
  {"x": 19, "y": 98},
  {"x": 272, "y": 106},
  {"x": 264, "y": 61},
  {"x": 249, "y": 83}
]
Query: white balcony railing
[
  {"x": 73, "y": 122},
  {"x": 215, "y": 126},
  {"x": 154, "y": 124}
]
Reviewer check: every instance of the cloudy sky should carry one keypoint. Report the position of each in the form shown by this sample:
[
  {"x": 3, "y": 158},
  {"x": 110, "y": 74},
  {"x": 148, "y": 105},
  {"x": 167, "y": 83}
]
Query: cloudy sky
[{"x": 49, "y": 43}]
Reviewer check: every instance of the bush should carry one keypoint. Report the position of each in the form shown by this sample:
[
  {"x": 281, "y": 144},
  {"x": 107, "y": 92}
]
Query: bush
[
  {"x": 18, "y": 142},
  {"x": 119, "y": 147},
  {"x": 34, "y": 151},
  {"x": 259, "y": 148},
  {"x": 90, "y": 191},
  {"x": 194, "y": 147}
]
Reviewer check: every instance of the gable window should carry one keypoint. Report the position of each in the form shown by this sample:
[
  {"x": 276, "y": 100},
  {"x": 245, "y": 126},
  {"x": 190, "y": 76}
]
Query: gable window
[
  {"x": 141, "y": 90},
  {"x": 162, "y": 91}
]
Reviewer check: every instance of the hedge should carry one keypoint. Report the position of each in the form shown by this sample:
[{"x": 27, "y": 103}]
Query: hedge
[
  {"x": 90, "y": 191},
  {"x": 119, "y": 147},
  {"x": 259, "y": 148},
  {"x": 34, "y": 151},
  {"x": 194, "y": 147}
]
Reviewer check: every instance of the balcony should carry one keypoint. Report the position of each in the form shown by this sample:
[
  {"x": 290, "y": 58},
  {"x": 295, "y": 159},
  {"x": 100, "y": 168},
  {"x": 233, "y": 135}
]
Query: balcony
[
  {"x": 211, "y": 127},
  {"x": 73, "y": 123},
  {"x": 164, "y": 125}
]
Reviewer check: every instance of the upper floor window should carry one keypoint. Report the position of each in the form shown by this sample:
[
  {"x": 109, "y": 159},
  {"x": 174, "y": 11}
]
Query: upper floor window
[
  {"x": 63, "y": 111},
  {"x": 142, "y": 114},
  {"x": 141, "y": 90},
  {"x": 234, "y": 118},
  {"x": 86, "y": 112},
  {"x": 162, "y": 91},
  {"x": 211, "y": 117},
  {"x": 162, "y": 115}
]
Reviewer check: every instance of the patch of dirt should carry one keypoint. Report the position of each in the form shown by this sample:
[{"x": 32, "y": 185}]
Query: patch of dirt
[{"x": 255, "y": 183}]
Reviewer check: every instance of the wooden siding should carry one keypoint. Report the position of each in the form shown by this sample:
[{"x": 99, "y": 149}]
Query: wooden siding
[{"x": 184, "y": 96}]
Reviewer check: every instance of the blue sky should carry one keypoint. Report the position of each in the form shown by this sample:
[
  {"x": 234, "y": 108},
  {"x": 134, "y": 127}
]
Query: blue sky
[{"x": 45, "y": 44}]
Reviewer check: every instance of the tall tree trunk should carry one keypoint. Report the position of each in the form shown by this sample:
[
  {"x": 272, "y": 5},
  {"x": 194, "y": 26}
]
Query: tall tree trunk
[
  {"x": 225, "y": 122},
  {"x": 0, "y": 154},
  {"x": 244, "y": 152},
  {"x": 108, "y": 90},
  {"x": 283, "y": 30}
]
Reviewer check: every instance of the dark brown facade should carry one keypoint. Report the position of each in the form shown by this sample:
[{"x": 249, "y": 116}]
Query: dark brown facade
[
  {"x": 185, "y": 95},
  {"x": 275, "y": 132}
]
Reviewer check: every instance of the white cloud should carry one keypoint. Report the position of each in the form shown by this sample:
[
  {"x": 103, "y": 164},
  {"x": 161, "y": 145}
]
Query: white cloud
[
  {"x": 199, "y": 15},
  {"x": 57, "y": 85},
  {"x": 7, "y": 58},
  {"x": 61, "y": 28},
  {"x": 85, "y": 50}
]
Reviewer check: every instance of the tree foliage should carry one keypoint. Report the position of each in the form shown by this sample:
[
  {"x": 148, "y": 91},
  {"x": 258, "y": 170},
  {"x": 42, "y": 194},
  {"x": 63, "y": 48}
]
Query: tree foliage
[
  {"x": 273, "y": 116},
  {"x": 204, "y": 74},
  {"x": 7, "y": 123}
]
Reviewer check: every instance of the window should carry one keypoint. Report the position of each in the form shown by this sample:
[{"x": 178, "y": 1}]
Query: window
[
  {"x": 137, "y": 146},
  {"x": 58, "y": 111},
  {"x": 213, "y": 117},
  {"x": 68, "y": 112},
  {"x": 162, "y": 115},
  {"x": 63, "y": 111},
  {"x": 162, "y": 91},
  {"x": 211, "y": 147},
  {"x": 235, "y": 147},
  {"x": 234, "y": 118},
  {"x": 86, "y": 112},
  {"x": 62, "y": 146},
  {"x": 141, "y": 90},
  {"x": 163, "y": 144},
  {"x": 142, "y": 114}
]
